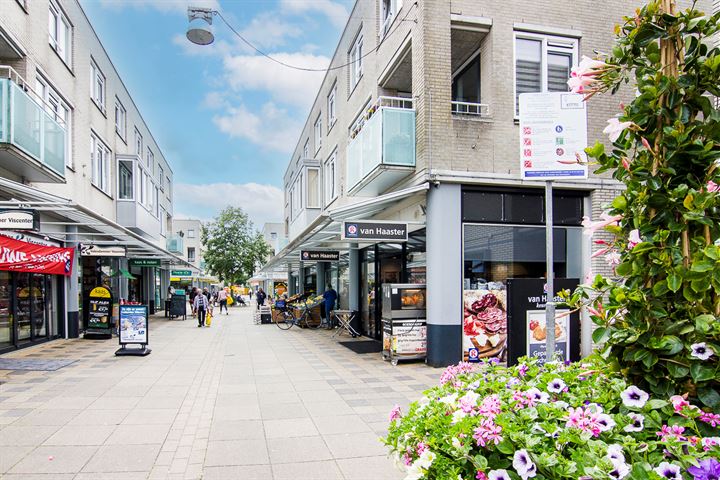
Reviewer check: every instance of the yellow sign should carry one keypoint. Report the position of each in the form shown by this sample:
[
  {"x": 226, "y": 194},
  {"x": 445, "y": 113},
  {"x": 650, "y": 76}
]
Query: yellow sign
[
  {"x": 100, "y": 292},
  {"x": 174, "y": 279}
]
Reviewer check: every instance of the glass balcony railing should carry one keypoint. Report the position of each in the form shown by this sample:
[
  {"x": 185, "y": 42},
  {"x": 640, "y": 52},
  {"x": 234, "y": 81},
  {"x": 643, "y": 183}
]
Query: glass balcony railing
[
  {"x": 175, "y": 244},
  {"x": 26, "y": 125},
  {"x": 387, "y": 138}
]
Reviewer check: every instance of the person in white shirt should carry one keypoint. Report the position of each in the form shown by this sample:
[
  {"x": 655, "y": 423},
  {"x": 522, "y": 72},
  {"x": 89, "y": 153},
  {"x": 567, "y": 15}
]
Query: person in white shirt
[{"x": 200, "y": 304}]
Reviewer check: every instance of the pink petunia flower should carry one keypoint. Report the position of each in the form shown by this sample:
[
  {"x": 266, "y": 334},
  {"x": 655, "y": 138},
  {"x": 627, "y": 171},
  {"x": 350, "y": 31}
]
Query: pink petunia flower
[
  {"x": 395, "y": 413},
  {"x": 712, "y": 187}
]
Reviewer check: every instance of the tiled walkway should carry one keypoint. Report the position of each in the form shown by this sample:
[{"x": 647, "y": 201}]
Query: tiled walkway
[{"x": 234, "y": 401}]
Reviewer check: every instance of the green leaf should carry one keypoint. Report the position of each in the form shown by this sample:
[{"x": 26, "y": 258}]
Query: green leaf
[
  {"x": 703, "y": 266},
  {"x": 701, "y": 373},
  {"x": 624, "y": 269},
  {"x": 677, "y": 371},
  {"x": 656, "y": 404},
  {"x": 703, "y": 323},
  {"x": 620, "y": 203},
  {"x": 709, "y": 396},
  {"x": 505, "y": 447},
  {"x": 600, "y": 335},
  {"x": 674, "y": 282}
]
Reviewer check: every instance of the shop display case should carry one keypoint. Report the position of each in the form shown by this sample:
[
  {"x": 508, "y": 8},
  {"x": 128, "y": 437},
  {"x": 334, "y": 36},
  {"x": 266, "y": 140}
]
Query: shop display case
[
  {"x": 403, "y": 300},
  {"x": 404, "y": 322}
]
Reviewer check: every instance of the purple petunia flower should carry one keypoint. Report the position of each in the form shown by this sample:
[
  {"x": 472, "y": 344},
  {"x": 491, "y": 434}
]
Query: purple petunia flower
[
  {"x": 556, "y": 386},
  {"x": 637, "y": 423},
  {"x": 633, "y": 397},
  {"x": 707, "y": 470}
]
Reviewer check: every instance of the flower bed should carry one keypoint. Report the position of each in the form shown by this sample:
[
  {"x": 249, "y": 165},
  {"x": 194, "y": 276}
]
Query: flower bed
[{"x": 577, "y": 421}]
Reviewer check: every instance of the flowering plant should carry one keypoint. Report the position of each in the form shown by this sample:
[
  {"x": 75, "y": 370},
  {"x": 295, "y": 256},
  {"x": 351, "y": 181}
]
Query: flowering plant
[
  {"x": 557, "y": 421},
  {"x": 658, "y": 320}
]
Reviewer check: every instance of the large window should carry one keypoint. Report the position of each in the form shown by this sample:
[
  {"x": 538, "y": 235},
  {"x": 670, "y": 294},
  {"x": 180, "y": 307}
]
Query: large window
[
  {"x": 125, "y": 180},
  {"x": 318, "y": 133},
  {"x": 150, "y": 159},
  {"x": 313, "y": 188},
  {"x": 191, "y": 254},
  {"x": 60, "y": 111},
  {"x": 466, "y": 82},
  {"x": 356, "y": 61},
  {"x": 331, "y": 107},
  {"x": 120, "y": 119},
  {"x": 100, "y": 160},
  {"x": 329, "y": 178},
  {"x": 97, "y": 85},
  {"x": 60, "y": 32},
  {"x": 543, "y": 63}
]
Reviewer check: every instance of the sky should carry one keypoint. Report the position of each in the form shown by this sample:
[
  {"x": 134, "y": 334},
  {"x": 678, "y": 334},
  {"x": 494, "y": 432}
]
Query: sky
[{"x": 226, "y": 118}]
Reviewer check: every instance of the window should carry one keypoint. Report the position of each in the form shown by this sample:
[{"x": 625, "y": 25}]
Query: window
[
  {"x": 53, "y": 103},
  {"x": 168, "y": 192},
  {"x": 191, "y": 233},
  {"x": 120, "y": 119},
  {"x": 331, "y": 107},
  {"x": 150, "y": 195},
  {"x": 150, "y": 159},
  {"x": 163, "y": 222},
  {"x": 273, "y": 235},
  {"x": 466, "y": 82},
  {"x": 100, "y": 160},
  {"x": 156, "y": 212},
  {"x": 329, "y": 178},
  {"x": 97, "y": 85},
  {"x": 125, "y": 180},
  {"x": 542, "y": 63},
  {"x": 306, "y": 149},
  {"x": 59, "y": 32},
  {"x": 318, "y": 133},
  {"x": 138, "y": 143},
  {"x": 389, "y": 10},
  {"x": 356, "y": 61},
  {"x": 191, "y": 254},
  {"x": 313, "y": 188},
  {"x": 161, "y": 177}
]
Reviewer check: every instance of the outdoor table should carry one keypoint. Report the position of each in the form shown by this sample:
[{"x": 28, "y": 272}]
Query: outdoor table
[{"x": 344, "y": 317}]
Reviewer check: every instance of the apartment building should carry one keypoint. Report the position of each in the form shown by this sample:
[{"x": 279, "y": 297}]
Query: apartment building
[
  {"x": 78, "y": 158},
  {"x": 416, "y": 123}
]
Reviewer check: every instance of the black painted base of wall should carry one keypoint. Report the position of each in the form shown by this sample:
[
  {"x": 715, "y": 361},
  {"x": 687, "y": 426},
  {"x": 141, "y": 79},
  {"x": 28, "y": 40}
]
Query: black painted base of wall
[
  {"x": 444, "y": 345},
  {"x": 73, "y": 325}
]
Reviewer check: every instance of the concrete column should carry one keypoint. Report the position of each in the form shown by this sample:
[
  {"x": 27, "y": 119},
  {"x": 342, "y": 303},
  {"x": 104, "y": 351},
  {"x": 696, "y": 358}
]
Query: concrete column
[
  {"x": 291, "y": 284},
  {"x": 301, "y": 278},
  {"x": 320, "y": 278},
  {"x": 354, "y": 267},
  {"x": 444, "y": 275},
  {"x": 72, "y": 290}
]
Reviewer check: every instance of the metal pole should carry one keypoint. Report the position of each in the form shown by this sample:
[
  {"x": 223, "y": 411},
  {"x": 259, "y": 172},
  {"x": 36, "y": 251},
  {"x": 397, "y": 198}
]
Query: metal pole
[{"x": 550, "y": 302}]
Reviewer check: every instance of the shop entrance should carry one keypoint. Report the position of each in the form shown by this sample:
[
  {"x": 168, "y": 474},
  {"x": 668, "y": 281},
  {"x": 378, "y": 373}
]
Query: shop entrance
[{"x": 27, "y": 309}]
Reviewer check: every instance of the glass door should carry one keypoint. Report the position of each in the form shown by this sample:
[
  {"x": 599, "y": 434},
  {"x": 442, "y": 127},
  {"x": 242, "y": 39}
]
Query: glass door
[
  {"x": 23, "y": 332},
  {"x": 367, "y": 293},
  {"x": 6, "y": 316},
  {"x": 39, "y": 305}
]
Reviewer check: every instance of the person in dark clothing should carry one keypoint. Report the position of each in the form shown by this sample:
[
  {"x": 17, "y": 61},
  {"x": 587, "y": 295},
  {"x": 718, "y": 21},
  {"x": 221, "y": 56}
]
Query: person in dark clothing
[
  {"x": 260, "y": 297},
  {"x": 191, "y": 297},
  {"x": 330, "y": 296},
  {"x": 201, "y": 305}
]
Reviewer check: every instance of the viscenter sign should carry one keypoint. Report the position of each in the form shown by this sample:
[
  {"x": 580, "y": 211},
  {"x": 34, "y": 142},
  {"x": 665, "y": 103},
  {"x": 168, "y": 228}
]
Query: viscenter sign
[{"x": 375, "y": 231}]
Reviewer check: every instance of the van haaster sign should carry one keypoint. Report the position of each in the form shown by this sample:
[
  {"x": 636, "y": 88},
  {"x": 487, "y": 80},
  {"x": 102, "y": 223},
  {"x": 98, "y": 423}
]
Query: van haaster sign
[
  {"x": 320, "y": 255},
  {"x": 375, "y": 231}
]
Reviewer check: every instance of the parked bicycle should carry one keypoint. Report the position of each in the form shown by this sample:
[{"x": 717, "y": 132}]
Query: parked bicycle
[{"x": 286, "y": 319}]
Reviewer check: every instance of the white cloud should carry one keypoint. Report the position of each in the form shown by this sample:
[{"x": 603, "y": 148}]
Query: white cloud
[
  {"x": 214, "y": 100},
  {"x": 262, "y": 203},
  {"x": 271, "y": 127},
  {"x": 335, "y": 12},
  {"x": 286, "y": 85},
  {"x": 165, "y": 6},
  {"x": 267, "y": 31}
]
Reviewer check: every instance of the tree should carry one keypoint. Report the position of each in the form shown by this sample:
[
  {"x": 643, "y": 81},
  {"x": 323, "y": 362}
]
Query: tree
[
  {"x": 659, "y": 320},
  {"x": 233, "y": 247}
]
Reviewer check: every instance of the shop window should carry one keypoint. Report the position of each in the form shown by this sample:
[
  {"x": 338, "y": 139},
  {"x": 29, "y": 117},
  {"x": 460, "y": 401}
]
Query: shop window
[{"x": 125, "y": 180}]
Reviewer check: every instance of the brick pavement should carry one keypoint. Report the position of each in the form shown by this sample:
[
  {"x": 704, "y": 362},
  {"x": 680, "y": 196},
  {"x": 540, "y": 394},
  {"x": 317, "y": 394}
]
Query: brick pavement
[{"x": 236, "y": 400}]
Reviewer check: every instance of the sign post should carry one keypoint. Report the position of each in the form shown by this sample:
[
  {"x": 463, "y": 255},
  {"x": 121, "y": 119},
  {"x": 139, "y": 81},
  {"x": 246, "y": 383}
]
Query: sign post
[
  {"x": 133, "y": 330},
  {"x": 553, "y": 138},
  {"x": 98, "y": 314}
]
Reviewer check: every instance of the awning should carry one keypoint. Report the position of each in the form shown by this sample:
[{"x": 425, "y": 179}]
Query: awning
[
  {"x": 123, "y": 273},
  {"x": 366, "y": 208},
  {"x": 92, "y": 228}
]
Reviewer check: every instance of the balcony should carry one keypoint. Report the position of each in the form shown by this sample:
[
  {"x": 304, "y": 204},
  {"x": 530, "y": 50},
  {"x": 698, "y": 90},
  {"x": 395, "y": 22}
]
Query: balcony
[
  {"x": 32, "y": 142},
  {"x": 470, "y": 110},
  {"x": 382, "y": 151},
  {"x": 175, "y": 244}
]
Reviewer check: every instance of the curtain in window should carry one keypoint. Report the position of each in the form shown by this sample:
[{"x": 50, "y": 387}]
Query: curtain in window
[
  {"x": 558, "y": 71},
  {"x": 528, "y": 66}
]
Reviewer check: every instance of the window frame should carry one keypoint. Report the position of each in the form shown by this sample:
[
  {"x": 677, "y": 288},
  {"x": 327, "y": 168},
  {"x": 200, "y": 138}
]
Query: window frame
[
  {"x": 138, "y": 144},
  {"x": 330, "y": 194},
  {"x": 97, "y": 78},
  {"x": 132, "y": 179},
  {"x": 306, "y": 149},
  {"x": 100, "y": 179},
  {"x": 63, "y": 49},
  {"x": 191, "y": 233},
  {"x": 355, "y": 59},
  {"x": 161, "y": 176},
  {"x": 475, "y": 57},
  {"x": 573, "y": 47},
  {"x": 318, "y": 203},
  {"x": 317, "y": 129},
  {"x": 121, "y": 129},
  {"x": 194, "y": 255},
  {"x": 332, "y": 107},
  {"x": 53, "y": 103},
  {"x": 149, "y": 159}
]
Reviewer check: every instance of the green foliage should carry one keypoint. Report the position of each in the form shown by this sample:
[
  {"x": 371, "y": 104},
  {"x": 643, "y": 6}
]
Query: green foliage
[
  {"x": 668, "y": 297},
  {"x": 233, "y": 247}
]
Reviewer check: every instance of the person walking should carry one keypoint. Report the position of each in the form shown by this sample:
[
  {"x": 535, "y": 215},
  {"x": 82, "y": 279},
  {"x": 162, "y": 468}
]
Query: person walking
[
  {"x": 222, "y": 300},
  {"x": 192, "y": 296},
  {"x": 330, "y": 297},
  {"x": 260, "y": 297},
  {"x": 200, "y": 304}
]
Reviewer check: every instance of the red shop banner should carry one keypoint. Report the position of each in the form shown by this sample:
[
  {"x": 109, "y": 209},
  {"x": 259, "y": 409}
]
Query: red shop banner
[{"x": 17, "y": 256}]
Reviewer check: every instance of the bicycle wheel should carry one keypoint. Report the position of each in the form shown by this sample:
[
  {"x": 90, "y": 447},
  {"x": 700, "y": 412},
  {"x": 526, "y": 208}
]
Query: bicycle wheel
[
  {"x": 309, "y": 322},
  {"x": 284, "y": 321}
]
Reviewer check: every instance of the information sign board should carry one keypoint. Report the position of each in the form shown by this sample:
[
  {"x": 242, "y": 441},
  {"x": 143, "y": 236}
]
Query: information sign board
[
  {"x": 553, "y": 136},
  {"x": 144, "y": 262},
  {"x": 99, "y": 310},
  {"x": 133, "y": 324}
]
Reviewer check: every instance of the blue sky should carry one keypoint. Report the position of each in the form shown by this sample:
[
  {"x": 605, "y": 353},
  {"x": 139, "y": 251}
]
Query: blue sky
[{"x": 225, "y": 118}]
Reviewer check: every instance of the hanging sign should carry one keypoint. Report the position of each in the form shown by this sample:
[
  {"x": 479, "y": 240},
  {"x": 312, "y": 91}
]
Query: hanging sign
[
  {"x": 553, "y": 136},
  {"x": 14, "y": 219},
  {"x": 319, "y": 255},
  {"x": 99, "y": 310},
  {"x": 20, "y": 256},
  {"x": 181, "y": 273},
  {"x": 87, "y": 250},
  {"x": 133, "y": 324},
  {"x": 375, "y": 231},
  {"x": 144, "y": 262}
]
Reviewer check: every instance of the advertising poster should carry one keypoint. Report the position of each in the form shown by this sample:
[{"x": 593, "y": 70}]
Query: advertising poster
[
  {"x": 405, "y": 337},
  {"x": 133, "y": 324},
  {"x": 484, "y": 325},
  {"x": 99, "y": 309},
  {"x": 280, "y": 289},
  {"x": 537, "y": 333}
]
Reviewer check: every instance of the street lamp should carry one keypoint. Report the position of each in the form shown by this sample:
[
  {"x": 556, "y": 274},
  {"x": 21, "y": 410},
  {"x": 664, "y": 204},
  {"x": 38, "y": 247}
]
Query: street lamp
[{"x": 200, "y": 29}]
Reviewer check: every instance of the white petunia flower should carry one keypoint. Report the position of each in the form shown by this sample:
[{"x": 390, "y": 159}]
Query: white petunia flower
[
  {"x": 701, "y": 351},
  {"x": 457, "y": 416},
  {"x": 636, "y": 424},
  {"x": 668, "y": 470},
  {"x": 498, "y": 475},
  {"x": 556, "y": 386},
  {"x": 606, "y": 422},
  {"x": 620, "y": 470},
  {"x": 615, "y": 453},
  {"x": 538, "y": 396},
  {"x": 523, "y": 464},
  {"x": 633, "y": 397}
]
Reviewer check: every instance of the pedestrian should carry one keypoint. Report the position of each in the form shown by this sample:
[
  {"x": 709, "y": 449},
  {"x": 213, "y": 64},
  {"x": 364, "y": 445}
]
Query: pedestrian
[
  {"x": 330, "y": 296},
  {"x": 207, "y": 294},
  {"x": 250, "y": 293},
  {"x": 171, "y": 290},
  {"x": 260, "y": 297},
  {"x": 200, "y": 305},
  {"x": 193, "y": 294},
  {"x": 222, "y": 300}
]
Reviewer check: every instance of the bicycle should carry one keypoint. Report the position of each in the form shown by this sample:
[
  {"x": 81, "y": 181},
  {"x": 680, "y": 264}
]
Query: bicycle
[{"x": 286, "y": 319}]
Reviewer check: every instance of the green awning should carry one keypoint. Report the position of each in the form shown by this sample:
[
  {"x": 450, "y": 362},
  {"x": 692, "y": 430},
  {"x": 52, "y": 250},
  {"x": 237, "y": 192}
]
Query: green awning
[{"x": 123, "y": 273}]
